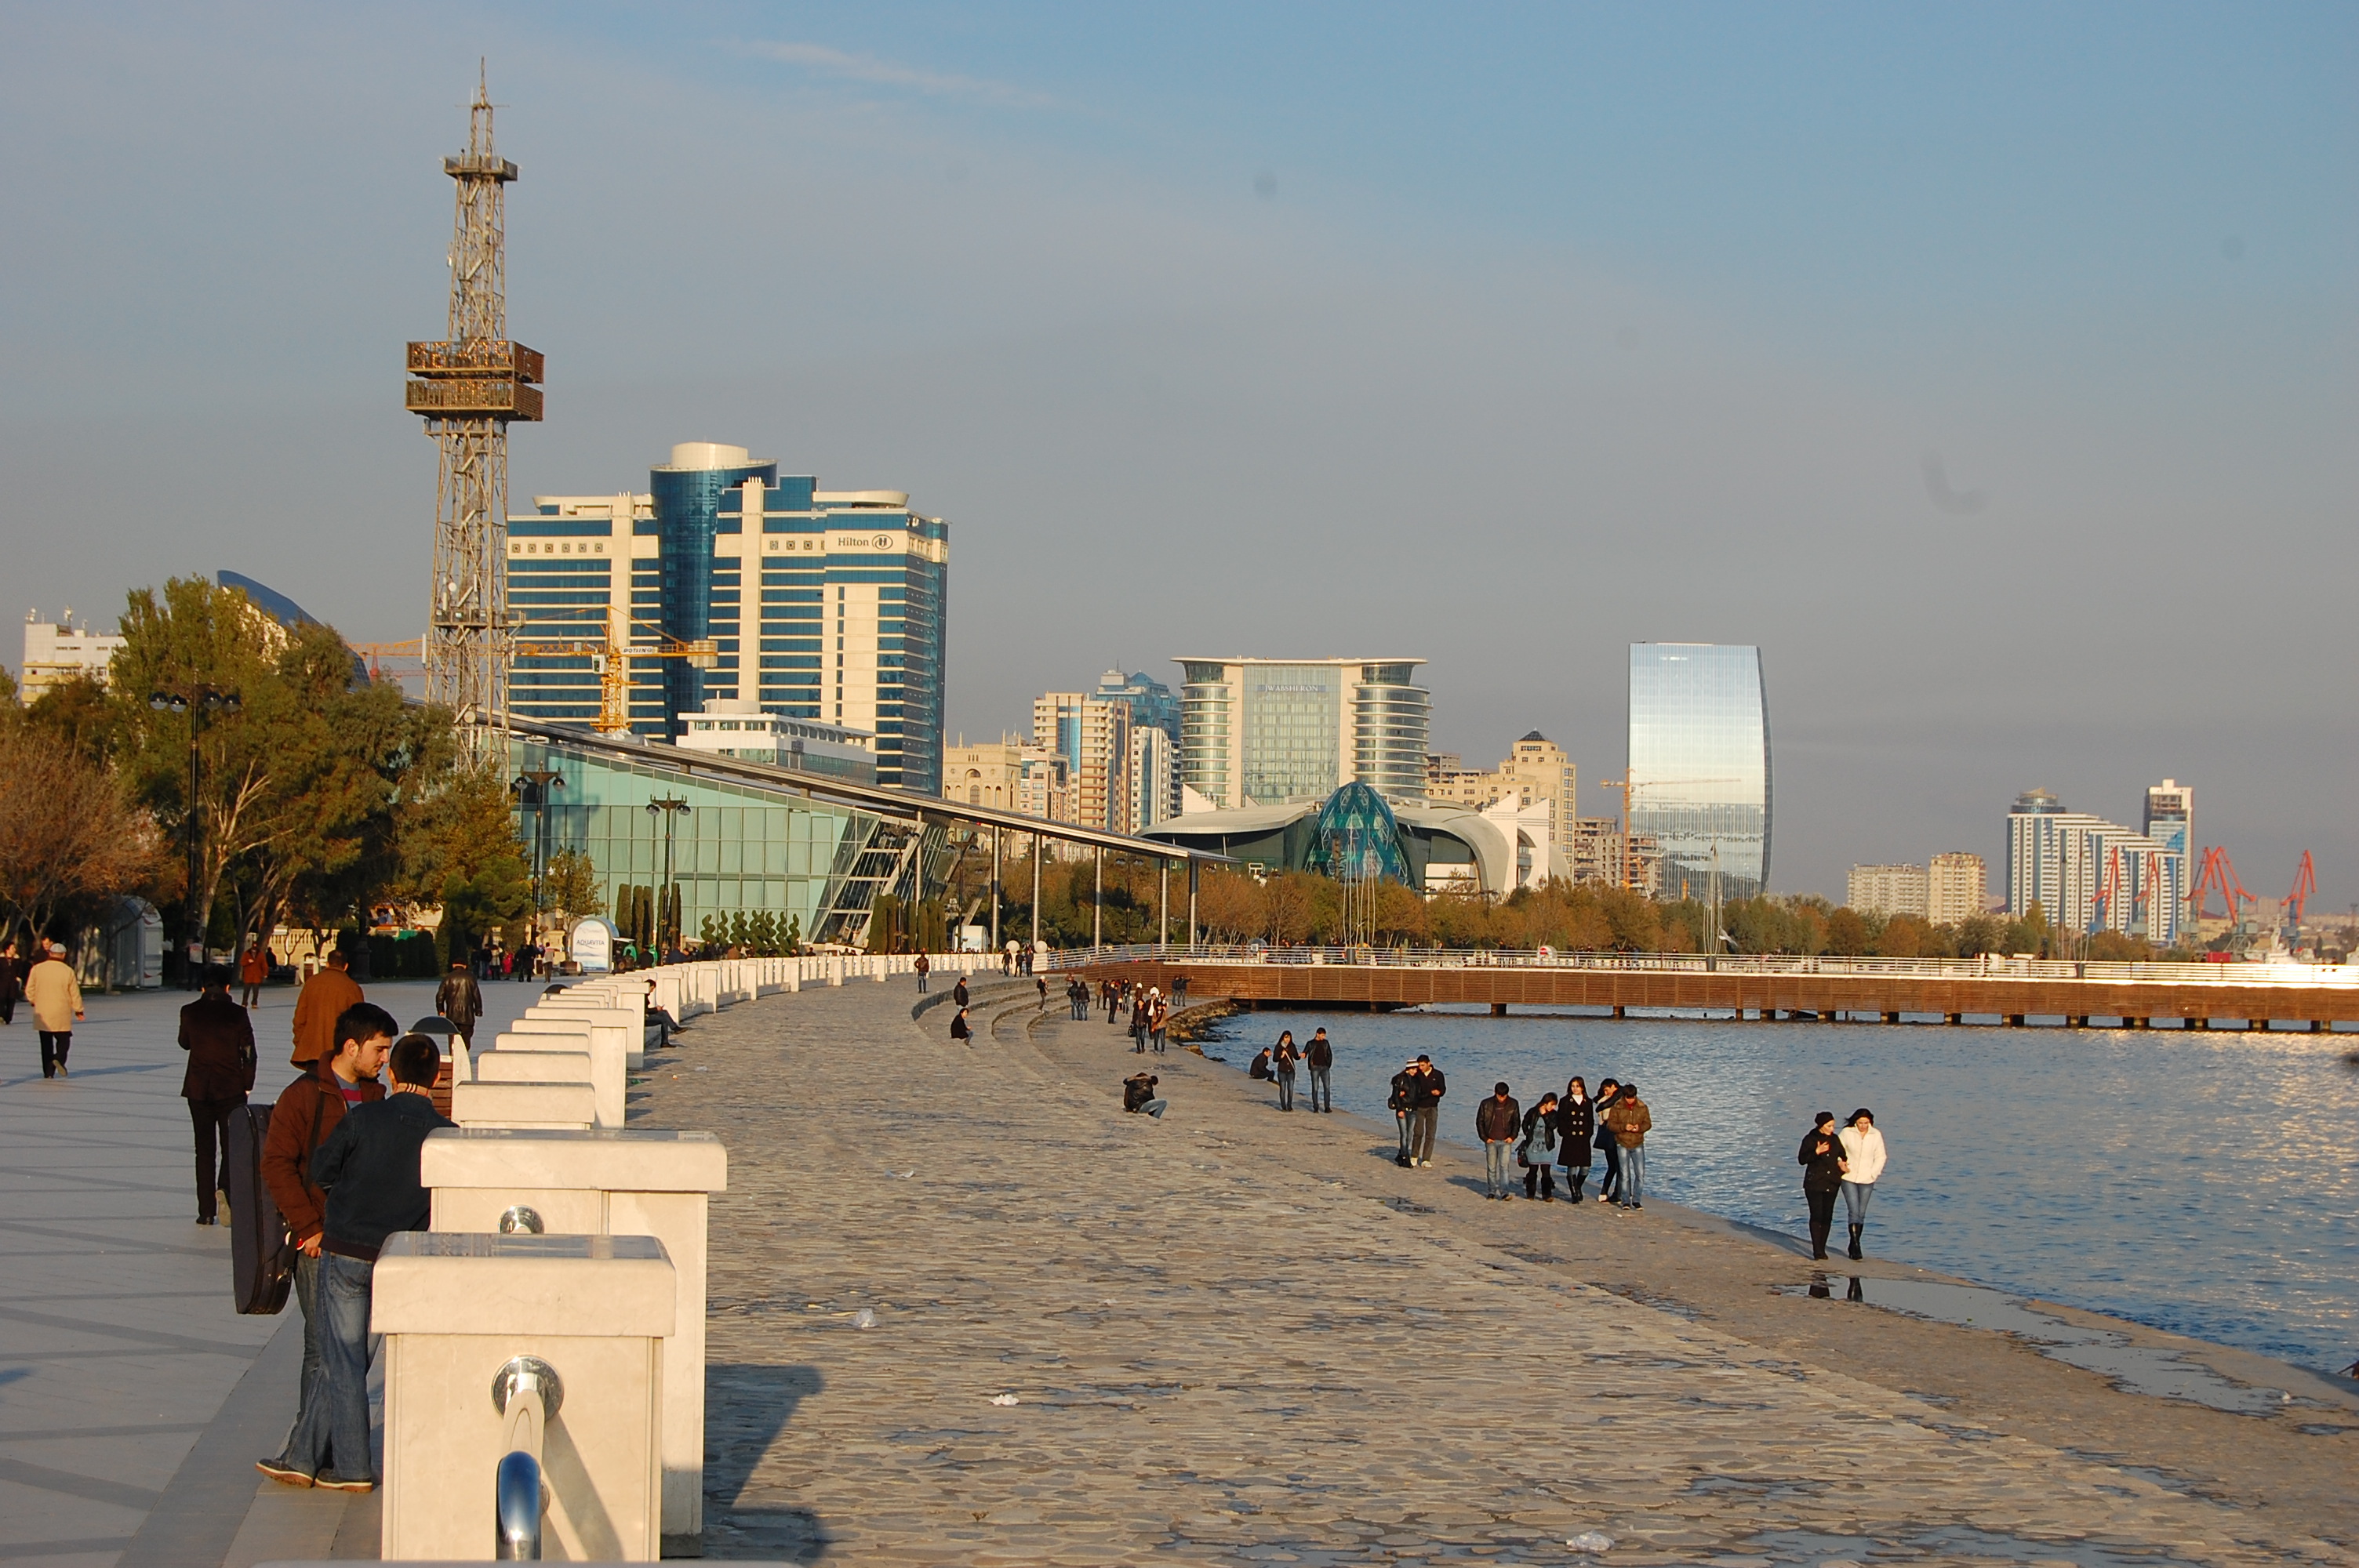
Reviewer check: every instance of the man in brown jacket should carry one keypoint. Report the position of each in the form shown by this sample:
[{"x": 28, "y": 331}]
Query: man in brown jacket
[
  {"x": 322, "y": 1000},
  {"x": 308, "y": 1110},
  {"x": 219, "y": 1039},
  {"x": 1629, "y": 1120}
]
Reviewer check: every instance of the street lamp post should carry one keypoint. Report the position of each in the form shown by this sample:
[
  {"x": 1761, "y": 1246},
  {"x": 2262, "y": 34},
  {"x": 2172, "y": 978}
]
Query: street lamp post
[
  {"x": 669, "y": 807},
  {"x": 195, "y": 699},
  {"x": 531, "y": 788}
]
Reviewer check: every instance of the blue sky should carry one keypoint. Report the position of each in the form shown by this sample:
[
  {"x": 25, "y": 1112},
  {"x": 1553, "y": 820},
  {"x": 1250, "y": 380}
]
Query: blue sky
[{"x": 1990, "y": 365}]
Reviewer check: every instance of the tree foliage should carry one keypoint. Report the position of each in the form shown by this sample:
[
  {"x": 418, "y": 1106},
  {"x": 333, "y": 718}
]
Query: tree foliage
[{"x": 68, "y": 837}]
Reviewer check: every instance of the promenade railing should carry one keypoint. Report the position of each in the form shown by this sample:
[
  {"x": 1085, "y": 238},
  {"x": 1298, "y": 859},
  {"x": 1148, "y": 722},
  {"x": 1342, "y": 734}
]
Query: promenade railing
[{"x": 1983, "y": 967}]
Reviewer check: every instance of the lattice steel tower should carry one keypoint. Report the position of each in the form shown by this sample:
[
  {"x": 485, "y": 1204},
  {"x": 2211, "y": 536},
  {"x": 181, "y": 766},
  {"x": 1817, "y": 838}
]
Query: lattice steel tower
[{"x": 469, "y": 386}]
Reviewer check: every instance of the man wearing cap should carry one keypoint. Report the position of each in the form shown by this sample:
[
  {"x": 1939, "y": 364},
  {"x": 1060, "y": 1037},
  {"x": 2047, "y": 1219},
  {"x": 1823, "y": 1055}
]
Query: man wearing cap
[
  {"x": 56, "y": 997},
  {"x": 1398, "y": 1103}
]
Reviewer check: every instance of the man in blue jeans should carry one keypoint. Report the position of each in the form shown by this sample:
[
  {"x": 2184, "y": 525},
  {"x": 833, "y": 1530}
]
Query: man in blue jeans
[{"x": 369, "y": 1167}]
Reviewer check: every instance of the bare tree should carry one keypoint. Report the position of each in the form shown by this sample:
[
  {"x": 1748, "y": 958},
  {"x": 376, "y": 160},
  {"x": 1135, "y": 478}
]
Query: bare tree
[{"x": 67, "y": 836}]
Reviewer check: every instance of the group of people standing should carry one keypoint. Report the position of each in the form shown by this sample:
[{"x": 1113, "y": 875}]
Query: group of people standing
[
  {"x": 1279, "y": 1063},
  {"x": 1567, "y": 1132}
]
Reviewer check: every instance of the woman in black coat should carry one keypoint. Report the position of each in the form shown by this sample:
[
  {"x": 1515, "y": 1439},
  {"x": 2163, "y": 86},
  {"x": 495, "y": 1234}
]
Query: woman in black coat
[
  {"x": 1576, "y": 1127},
  {"x": 1821, "y": 1159}
]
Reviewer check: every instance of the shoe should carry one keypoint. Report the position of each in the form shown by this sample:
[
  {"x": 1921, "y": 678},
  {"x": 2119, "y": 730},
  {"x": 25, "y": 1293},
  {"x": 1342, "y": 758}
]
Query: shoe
[
  {"x": 1854, "y": 1240},
  {"x": 328, "y": 1480},
  {"x": 280, "y": 1471},
  {"x": 1548, "y": 1197},
  {"x": 207, "y": 1219}
]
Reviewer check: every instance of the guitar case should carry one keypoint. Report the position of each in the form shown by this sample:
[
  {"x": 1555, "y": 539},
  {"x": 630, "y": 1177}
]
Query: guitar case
[{"x": 262, "y": 1256}]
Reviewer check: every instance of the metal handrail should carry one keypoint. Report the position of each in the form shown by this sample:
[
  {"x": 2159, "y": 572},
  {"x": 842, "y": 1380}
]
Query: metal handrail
[
  {"x": 526, "y": 1391},
  {"x": 1986, "y": 967}
]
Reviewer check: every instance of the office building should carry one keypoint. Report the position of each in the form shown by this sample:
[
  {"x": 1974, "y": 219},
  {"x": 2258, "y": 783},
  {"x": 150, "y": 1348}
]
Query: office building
[
  {"x": 737, "y": 727},
  {"x": 1092, "y": 735},
  {"x": 2170, "y": 815},
  {"x": 58, "y": 652},
  {"x": 1153, "y": 706},
  {"x": 1535, "y": 771},
  {"x": 1154, "y": 777},
  {"x": 824, "y": 605},
  {"x": 1699, "y": 766},
  {"x": 1956, "y": 886},
  {"x": 2088, "y": 874},
  {"x": 1270, "y": 732},
  {"x": 1887, "y": 889}
]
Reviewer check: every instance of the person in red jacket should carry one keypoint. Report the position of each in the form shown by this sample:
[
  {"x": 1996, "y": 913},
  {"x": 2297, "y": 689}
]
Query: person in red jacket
[
  {"x": 219, "y": 1039},
  {"x": 308, "y": 1112}
]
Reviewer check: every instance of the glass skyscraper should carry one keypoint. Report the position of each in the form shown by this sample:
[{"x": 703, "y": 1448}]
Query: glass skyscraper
[
  {"x": 1699, "y": 766},
  {"x": 1264, "y": 731},
  {"x": 825, "y": 605}
]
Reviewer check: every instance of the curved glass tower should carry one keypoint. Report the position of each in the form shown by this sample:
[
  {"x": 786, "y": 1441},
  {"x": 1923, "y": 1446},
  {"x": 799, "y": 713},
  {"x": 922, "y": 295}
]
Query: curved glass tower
[{"x": 1700, "y": 765}]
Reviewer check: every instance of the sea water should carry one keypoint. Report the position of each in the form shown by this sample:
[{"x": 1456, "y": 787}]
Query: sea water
[{"x": 2202, "y": 1182}]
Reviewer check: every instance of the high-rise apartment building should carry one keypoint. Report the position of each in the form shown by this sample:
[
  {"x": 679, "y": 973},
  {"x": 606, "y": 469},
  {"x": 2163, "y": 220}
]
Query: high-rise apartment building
[
  {"x": 825, "y": 605},
  {"x": 58, "y": 652},
  {"x": 2170, "y": 815},
  {"x": 1153, "y": 706},
  {"x": 1956, "y": 886},
  {"x": 1535, "y": 771},
  {"x": 1264, "y": 731},
  {"x": 1699, "y": 765},
  {"x": 2088, "y": 874},
  {"x": 1154, "y": 778},
  {"x": 1093, "y": 734},
  {"x": 1887, "y": 889}
]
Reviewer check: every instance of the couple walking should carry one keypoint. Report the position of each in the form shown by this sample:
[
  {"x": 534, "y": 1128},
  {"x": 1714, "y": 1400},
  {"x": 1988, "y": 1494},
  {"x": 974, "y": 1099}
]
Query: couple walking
[
  {"x": 1847, "y": 1160},
  {"x": 1277, "y": 1064}
]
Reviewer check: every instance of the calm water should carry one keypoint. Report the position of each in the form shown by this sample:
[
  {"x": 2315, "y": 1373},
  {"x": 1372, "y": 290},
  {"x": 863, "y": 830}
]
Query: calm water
[{"x": 2207, "y": 1184}]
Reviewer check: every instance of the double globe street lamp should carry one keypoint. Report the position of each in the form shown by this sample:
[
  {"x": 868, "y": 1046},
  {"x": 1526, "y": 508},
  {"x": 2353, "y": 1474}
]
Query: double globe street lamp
[{"x": 197, "y": 700}]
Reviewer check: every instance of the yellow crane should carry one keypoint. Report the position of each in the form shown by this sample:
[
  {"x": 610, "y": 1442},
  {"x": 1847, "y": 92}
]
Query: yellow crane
[
  {"x": 1625, "y": 784},
  {"x": 610, "y": 658}
]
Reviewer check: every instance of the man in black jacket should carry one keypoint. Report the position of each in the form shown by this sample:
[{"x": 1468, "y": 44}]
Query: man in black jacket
[
  {"x": 1321, "y": 1059},
  {"x": 1425, "y": 1092},
  {"x": 1497, "y": 1121},
  {"x": 369, "y": 1167},
  {"x": 219, "y": 1038}
]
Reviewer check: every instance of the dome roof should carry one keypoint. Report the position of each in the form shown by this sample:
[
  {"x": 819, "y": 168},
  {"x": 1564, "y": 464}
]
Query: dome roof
[{"x": 1356, "y": 837}]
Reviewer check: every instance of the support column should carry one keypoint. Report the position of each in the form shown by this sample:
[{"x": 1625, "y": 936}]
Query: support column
[
  {"x": 1953, "y": 1019},
  {"x": 1192, "y": 865},
  {"x": 995, "y": 894},
  {"x": 1891, "y": 1017},
  {"x": 1163, "y": 912},
  {"x": 1036, "y": 892},
  {"x": 1498, "y": 1009},
  {"x": 1097, "y": 903}
]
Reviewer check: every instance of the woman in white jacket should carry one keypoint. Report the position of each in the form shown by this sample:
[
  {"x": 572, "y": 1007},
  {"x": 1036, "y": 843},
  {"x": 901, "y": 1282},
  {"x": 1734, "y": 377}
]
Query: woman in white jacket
[{"x": 1863, "y": 1162}]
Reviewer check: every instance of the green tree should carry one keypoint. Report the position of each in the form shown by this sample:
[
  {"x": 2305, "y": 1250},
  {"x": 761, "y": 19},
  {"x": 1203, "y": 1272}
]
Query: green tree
[
  {"x": 569, "y": 885},
  {"x": 1847, "y": 934}
]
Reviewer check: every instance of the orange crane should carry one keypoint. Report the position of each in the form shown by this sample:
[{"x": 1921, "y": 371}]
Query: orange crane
[
  {"x": 2305, "y": 882},
  {"x": 2217, "y": 871}
]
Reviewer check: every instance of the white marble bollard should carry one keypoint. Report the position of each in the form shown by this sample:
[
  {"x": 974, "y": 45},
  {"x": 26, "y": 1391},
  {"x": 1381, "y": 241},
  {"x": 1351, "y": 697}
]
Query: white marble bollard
[
  {"x": 639, "y": 1181},
  {"x": 454, "y": 1310},
  {"x": 569, "y": 1108},
  {"x": 521, "y": 1066},
  {"x": 610, "y": 1052}
]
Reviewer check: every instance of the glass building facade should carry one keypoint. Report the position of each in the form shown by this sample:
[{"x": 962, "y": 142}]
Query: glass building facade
[
  {"x": 825, "y": 605},
  {"x": 1267, "y": 731},
  {"x": 1699, "y": 765}
]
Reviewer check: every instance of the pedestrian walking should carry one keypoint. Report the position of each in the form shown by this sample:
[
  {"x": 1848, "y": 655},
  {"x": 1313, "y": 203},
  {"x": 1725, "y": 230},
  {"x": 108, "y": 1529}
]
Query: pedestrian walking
[
  {"x": 1042, "y": 983},
  {"x": 1319, "y": 1057},
  {"x": 1283, "y": 1057},
  {"x": 1821, "y": 1159},
  {"x": 219, "y": 1039},
  {"x": 526, "y": 964},
  {"x": 253, "y": 971},
  {"x": 924, "y": 967},
  {"x": 960, "y": 1028},
  {"x": 1158, "y": 1019},
  {"x": 55, "y": 995},
  {"x": 308, "y": 1109},
  {"x": 1609, "y": 1187},
  {"x": 1630, "y": 1121},
  {"x": 12, "y": 980},
  {"x": 1497, "y": 1121},
  {"x": 318, "y": 1006},
  {"x": 1535, "y": 1150},
  {"x": 1863, "y": 1163},
  {"x": 1397, "y": 1101},
  {"x": 369, "y": 1168},
  {"x": 1576, "y": 1126},
  {"x": 460, "y": 999},
  {"x": 1424, "y": 1110}
]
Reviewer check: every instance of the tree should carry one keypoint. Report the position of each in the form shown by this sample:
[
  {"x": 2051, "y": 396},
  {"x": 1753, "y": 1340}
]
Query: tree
[
  {"x": 67, "y": 836},
  {"x": 1906, "y": 936},
  {"x": 569, "y": 886},
  {"x": 1847, "y": 934}
]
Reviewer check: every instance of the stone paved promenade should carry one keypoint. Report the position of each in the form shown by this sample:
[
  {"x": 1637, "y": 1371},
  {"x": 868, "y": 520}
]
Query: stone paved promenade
[{"x": 1233, "y": 1335}]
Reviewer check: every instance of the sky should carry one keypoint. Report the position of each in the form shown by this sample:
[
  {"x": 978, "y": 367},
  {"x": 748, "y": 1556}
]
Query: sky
[{"x": 1990, "y": 366}]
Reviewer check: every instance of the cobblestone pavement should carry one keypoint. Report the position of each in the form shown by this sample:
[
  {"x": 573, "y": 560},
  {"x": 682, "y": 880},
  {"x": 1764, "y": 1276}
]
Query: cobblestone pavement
[{"x": 1099, "y": 1338}]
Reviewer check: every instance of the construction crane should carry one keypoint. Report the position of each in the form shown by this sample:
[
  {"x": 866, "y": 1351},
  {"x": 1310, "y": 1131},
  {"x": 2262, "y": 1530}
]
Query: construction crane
[
  {"x": 2101, "y": 908},
  {"x": 1625, "y": 784},
  {"x": 611, "y": 659}
]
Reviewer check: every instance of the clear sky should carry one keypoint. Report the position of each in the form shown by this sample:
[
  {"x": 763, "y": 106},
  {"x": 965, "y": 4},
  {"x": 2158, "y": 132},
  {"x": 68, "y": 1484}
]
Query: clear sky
[{"x": 1992, "y": 366}]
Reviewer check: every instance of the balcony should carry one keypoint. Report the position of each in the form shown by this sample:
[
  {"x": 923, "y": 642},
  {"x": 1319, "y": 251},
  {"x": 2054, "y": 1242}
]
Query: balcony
[
  {"x": 472, "y": 399},
  {"x": 476, "y": 358}
]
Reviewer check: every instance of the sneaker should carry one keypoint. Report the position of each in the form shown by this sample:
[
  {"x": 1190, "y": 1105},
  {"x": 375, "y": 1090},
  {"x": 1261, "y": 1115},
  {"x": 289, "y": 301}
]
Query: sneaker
[
  {"x": 329, "y": 1481},
  {"x": 280, "y": 1471}
]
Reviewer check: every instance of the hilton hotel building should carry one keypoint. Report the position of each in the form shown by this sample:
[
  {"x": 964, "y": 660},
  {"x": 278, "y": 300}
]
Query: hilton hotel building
[{"x": 826, "y": 605}]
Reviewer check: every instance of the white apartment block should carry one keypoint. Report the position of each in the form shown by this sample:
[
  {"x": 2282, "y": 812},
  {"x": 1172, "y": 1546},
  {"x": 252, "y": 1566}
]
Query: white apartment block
[
  {"x": 1887, "y": 889},
  {"x": 1092, "y": 735},
  {"x": 58, "y": 652},
  {"x": 1957, "y": 885}
]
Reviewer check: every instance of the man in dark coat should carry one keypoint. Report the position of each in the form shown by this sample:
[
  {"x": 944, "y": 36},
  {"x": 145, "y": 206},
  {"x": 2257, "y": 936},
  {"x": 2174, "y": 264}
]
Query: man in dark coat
[
  {"x": 1427, "y": 1086},
  {"x": 219, "y": 1039},
  {"x": 1497, "y": 1121},
  {"x": 12, "y": 980},
  {"x": 461, "y": 1000}
]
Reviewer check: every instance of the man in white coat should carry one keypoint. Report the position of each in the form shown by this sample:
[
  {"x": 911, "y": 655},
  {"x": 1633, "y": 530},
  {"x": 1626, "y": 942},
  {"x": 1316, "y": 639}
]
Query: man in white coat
[
  {"x": 56, "y": 997},
  {"x": 1863, "y": 1162}
]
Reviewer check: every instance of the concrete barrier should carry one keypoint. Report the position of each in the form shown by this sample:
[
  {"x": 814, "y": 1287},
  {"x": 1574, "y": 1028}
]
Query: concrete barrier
[
  {"x": 611, "y": 1046},
  {"x": 554, "y": 1107},
  {"x": 639, "y": 1181},
  {"x": 522, "y": 1066},
  {"x": 458, "y": 1309}
]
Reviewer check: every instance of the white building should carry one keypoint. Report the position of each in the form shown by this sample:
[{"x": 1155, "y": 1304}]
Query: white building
[
  {"x": 1269, "y": 732},
  {"x": 738, "y": 727},
  {"x": 1887, "y": 889},
  {"x": 1154, "y": 771},
  {"x": 58, "y": 652},
  {"x": 2088, "y": 874},
  {"x": 1956, "y": 886}
]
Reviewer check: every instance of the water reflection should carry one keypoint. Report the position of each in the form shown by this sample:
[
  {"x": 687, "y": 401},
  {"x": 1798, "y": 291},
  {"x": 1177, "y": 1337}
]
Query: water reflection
[{"x": 2206, "y": 1182}]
